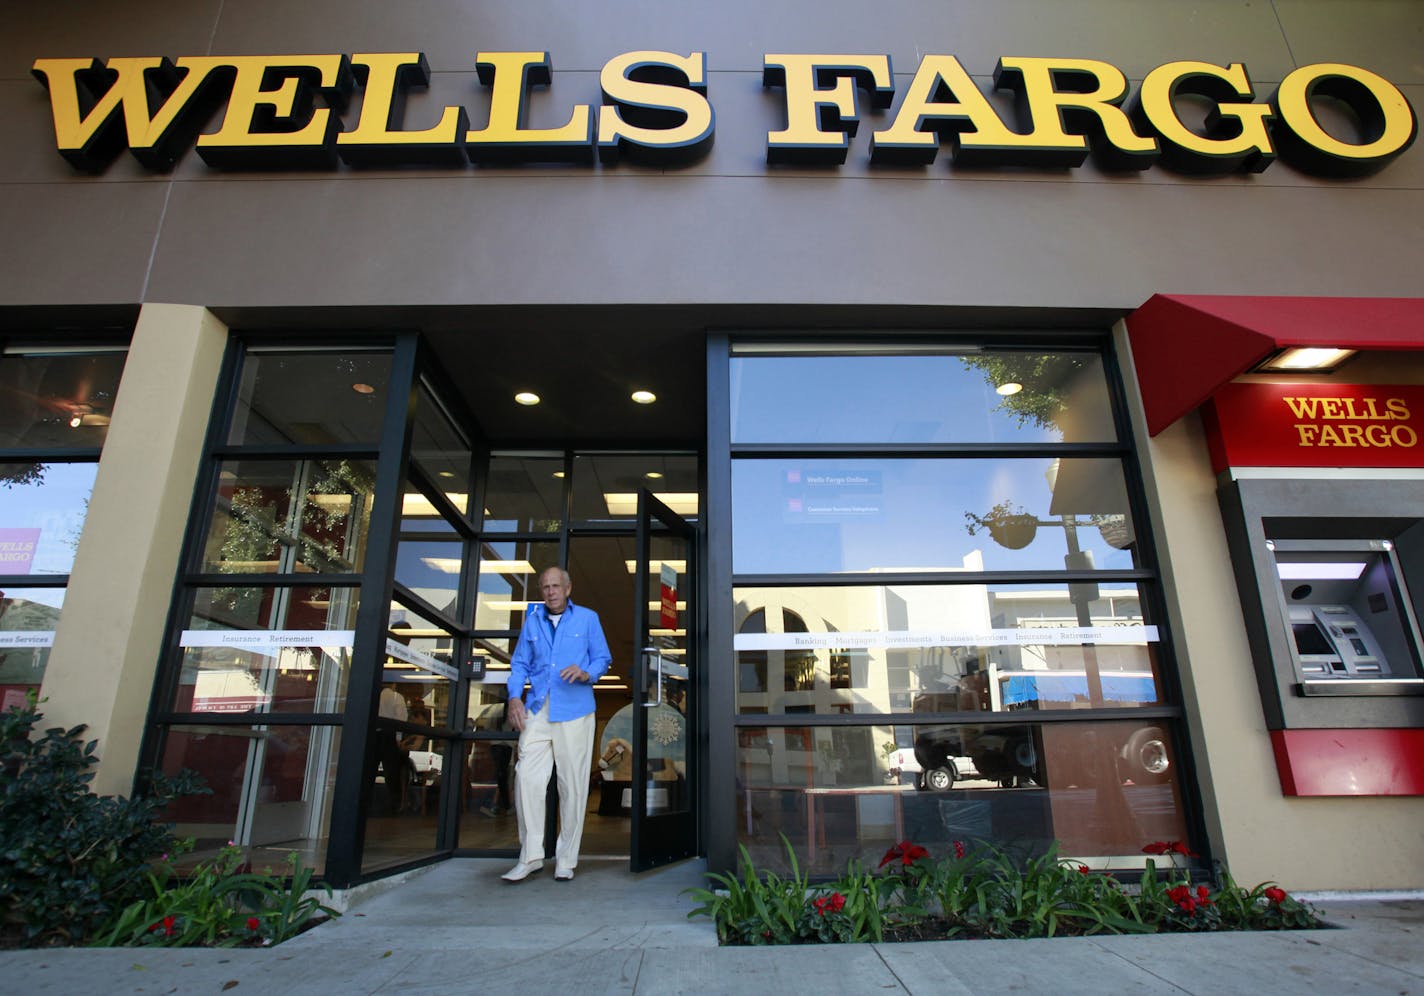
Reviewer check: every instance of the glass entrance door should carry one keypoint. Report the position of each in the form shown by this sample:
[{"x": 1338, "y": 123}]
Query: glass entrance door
[{"x": 664, "y": 688}]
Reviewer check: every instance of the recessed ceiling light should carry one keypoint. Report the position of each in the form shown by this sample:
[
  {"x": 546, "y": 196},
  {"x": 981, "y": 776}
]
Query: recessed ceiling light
[
  {"x": 653, "y": 475},
  {"x": 1012, "y": 387},
  {"x": 558, "y": 475},
  {"x": 644, "y": 397},
  {"x": 363, "y": 389},
  {"x": 1306, "y": 360},
  {"x": 527, "y": 398},
  {"x": 447, "y": 473}
]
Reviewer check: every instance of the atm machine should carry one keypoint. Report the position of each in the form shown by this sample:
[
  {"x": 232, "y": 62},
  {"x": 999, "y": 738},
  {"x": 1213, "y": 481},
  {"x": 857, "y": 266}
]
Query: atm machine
[{"x": 1352, "y": 621}]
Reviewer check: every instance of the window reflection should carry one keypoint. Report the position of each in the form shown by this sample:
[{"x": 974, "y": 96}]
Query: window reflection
[
  {"x": 431, "y": 569},
  {"x": 28, "y": 618},
  {"x": 286, "y": 516},
  {"x": 810, "y": 516},
  {"x": 1102, "y": 790},
  {"x": 42, "y": 510},
  {"x": 59, "y": 399},
  {"x": 943, "y": 648},
  {"x": 419, "y": 666},
  {"x": 978, "y": 396},
  {"x": 509, "y": 581}
]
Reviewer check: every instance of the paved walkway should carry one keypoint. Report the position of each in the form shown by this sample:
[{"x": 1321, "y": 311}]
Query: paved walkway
[{"x": 456, "y": 928}]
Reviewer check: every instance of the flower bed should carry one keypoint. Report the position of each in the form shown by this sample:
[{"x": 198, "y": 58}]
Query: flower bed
[{"x": 982, "y": 891}]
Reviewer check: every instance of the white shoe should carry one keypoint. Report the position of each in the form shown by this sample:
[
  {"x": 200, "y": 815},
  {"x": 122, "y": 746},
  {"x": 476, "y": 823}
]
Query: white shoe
[
  {"x": 563, "y": 874},
  {"x": 522, "y": 871}
]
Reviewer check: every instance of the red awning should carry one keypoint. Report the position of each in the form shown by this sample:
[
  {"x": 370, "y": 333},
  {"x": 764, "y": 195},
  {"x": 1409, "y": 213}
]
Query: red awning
[{"x": 1185, "y": 346}]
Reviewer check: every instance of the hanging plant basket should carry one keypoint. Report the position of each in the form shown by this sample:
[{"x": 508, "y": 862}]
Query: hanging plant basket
[
  {"x": 1115, "y": 531},
  {"x": 1013, "y": 532}
]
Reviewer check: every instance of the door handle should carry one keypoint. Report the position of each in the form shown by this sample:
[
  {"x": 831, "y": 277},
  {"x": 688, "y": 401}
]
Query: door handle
[{"x": 657, "y": 690}]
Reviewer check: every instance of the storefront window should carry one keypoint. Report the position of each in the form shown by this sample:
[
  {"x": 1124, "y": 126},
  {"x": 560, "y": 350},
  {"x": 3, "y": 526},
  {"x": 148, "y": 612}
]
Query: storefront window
[
  {"x": 524, "y": 494},
  {"x": 606, "y": 486},
  {"x": 42, "y": 509},
  {"x": 420, "y": 666},
  {"x": 1101, "y": 790},
  {"x": 821, "y": 516},
  {"x": 28, "y": 619},
  {"x": 941, "y": 469},
  {"x": 57, "y": 399},
  {"x": 270, "y": 791},
  {"x": 267, "y": 650},
  {"x": 290, "y": 516},
  {"x": 485, "y": 796},
  {"x": 402, "y": 821},
  {"x": 55, "y": 406},
  {"x": 509, "y": 581},
  {"x": 419, "y": 514},
  {"x": 431, "y": 569},
  {"x": 922, "y": 395},
  {"x": 310, "y": 398},
  {"x": 943, "y": 648},
  {"x": 439, "y": 449}
]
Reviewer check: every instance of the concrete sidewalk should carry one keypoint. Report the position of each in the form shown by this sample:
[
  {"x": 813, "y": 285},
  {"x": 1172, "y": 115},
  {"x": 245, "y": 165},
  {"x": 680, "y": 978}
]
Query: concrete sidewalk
[{"x": 456, "y": 928}]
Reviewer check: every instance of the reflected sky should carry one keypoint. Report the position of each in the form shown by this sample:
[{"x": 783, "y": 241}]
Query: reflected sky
[
  {"x": 48, "y": 513},
  {"x": 833, "y": 516},
  {"x": 919, "y": 399}
]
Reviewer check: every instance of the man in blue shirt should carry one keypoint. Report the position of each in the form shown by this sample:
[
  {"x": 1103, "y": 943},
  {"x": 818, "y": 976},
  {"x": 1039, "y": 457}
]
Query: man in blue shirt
[{"x": 561, "y": 653}]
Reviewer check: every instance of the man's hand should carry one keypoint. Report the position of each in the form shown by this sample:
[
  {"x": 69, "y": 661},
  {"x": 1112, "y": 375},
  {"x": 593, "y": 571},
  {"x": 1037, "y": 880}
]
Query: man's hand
[
  {"x": 574, "y": 673},
  {"x": 517, "y": 714}
]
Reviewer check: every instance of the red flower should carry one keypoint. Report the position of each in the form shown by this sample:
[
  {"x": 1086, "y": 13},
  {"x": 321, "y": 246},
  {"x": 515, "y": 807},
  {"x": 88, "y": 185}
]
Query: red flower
[
  {"x": 168, "y": 921},
  {"x": 1169, "y": 847},
  {"x": 1202, "y": 893},
  {"x": 907, "y": 853},
  {"x": 253, "y": 923},
  {"x": 1082, "y": 869},
  {"x": 1179, "y": 893},
  {"x": 959, "y": 848},
  {"x": 1275, "y": 895},
  {"x": 1188, "y": 905},
  {"x": 833, "y": 903}
]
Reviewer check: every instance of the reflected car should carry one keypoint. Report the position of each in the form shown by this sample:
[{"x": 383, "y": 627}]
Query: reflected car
[
  {"x": 941, "y": 760},
  {"x": 1013, "y": 756}
]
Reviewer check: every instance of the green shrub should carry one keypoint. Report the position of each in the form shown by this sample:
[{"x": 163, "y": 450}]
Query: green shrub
[{"x": 69, "y": 858}]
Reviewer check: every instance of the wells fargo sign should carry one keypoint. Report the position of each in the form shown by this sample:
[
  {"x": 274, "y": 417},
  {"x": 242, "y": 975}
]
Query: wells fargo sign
[
  {"x": 290, "y": 111},
  {"x": 1317, "y": 425}
]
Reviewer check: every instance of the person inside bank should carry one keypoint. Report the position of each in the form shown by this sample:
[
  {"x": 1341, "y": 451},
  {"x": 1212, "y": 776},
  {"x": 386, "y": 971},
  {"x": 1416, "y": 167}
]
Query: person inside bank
[{"x": 561, "y": 654}]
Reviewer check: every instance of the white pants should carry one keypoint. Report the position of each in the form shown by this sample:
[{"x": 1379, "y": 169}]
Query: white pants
[{"x": 542, "y": 746}]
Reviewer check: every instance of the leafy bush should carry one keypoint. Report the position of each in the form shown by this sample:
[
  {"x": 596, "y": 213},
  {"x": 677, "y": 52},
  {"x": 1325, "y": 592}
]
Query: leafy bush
[
  {"x": 69, "y": 858},
  {"x": 220, "y": 904},
  {"x": 986, "y": 892}
]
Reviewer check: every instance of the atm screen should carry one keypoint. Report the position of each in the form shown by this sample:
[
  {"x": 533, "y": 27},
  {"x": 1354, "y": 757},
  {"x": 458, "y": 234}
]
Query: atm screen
[{"x": 1310, "y": 641}]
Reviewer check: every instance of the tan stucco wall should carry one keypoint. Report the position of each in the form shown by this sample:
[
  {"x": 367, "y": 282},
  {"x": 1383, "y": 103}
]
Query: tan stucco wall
[
  {"x": 106, "y": 647},
  {"x": 1304, "y": 843}
]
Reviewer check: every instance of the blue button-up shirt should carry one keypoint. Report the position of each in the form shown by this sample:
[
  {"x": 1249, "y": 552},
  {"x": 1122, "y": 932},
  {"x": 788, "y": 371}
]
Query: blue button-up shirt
[{"x": 544, "y": 650}]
